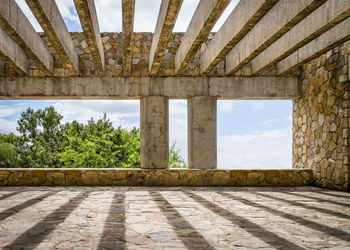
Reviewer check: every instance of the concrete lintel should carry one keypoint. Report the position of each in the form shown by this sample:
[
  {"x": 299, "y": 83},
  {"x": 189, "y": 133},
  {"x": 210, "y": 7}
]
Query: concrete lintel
[
  {"x": 128, "y": 7},
  {"x": 50, "y": 19},
  {"x": 241, "y": 20},
  {"x": 17, "y": 26},
  {"x": 136, "y": 87},
  {"x": 330, "y": 39},
  {"x": 279, "y": 20},
  {"x": 203, "y": 20},
  {"x": 12, "y": 54},
  {"x": 167, "y": 16},
  {"x": 324, "y": 18},
  {"x": 88, "y": 19}
]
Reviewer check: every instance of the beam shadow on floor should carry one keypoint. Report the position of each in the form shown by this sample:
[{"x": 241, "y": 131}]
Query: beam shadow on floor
[
  {"x": 113, "y": 236},
  {"x": 305, "y": 222},
  {"x": 172, "y": 214},
  {"x": 319, "y": 199},
  {"x": 5, "y": 196},
  {"x": 256, "y": 230},
  {"x": 13, "y": 210},
  {"x": 299, "y": 204},
  {"x": 36, "y": 234}
]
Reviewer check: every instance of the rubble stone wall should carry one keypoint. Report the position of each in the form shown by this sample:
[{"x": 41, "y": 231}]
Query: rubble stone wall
[
  {"x": 153, "y": 177},
  {"x": 321, "y": 119}
]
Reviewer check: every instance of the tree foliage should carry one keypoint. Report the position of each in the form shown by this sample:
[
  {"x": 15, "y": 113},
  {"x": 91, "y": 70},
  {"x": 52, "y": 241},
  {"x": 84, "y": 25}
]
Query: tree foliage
[{"x": 46, "y": 143}]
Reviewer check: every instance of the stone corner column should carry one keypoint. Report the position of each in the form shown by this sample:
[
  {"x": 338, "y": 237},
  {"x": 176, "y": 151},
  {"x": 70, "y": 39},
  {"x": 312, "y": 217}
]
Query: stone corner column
[
  {"x": 154, "y": 132},
  {"x": 202, "y": 139}
]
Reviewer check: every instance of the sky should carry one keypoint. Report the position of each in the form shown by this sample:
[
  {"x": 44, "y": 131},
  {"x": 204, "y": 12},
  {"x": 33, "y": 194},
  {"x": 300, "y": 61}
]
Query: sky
[{"x": 250, "y": 134}]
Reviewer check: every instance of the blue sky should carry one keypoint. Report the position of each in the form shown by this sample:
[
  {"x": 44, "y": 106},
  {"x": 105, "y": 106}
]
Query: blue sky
[{"x": 251, "y": 134}]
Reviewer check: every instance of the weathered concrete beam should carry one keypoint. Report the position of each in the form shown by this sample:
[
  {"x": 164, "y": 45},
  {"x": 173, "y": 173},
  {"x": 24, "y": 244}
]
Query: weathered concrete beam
[
  {"x": 327, "y": 41},
  {"x": 324, "y": 18},
  {"x": 12, "y": 54},
  {"x": 128, "y": 7},
  {"x": 167, "y": 16},
  {"x": 50, "y": 19},
  {"x": 203, "y": 20},
  {"x": 279, "y": 20},
  {"x": 88, "y": 19},
  {"x": 17, "y": 26},
  {"x": 136, "y": 87},
  {"x": 241, "y": 20}
]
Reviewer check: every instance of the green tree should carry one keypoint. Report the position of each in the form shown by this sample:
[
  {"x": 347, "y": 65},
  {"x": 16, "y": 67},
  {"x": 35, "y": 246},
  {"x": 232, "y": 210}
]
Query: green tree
[
  {"x": 99, "y": 145},
  {"x": 45, "y": 142},
  {"x": 40, "y": 135},
  {"x": 175, "y": 159}
]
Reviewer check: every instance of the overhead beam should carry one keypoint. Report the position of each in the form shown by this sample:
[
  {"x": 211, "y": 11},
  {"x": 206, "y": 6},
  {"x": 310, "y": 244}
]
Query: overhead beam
[
  {"x": 88, "y": 19},
  {"x": 137, "y": 87},
  {"x": 12, "y": 54},
  {"x": 279, "y": 20},
  {"x": 327, "y": 41},
  {"x": 168, "y": 12},
  {"x": 203, "y": 20},
  {"x": 51, "y": 21},
  {"x": 17, "y": 26},
  {"x": 242, "y": 19},
  {"x": 128, "y": 7},
  {"x": 324, "y": 18}
]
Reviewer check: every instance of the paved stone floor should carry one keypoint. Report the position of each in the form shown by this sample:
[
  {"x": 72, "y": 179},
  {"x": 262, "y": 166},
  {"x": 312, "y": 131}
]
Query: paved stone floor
[{"x": 173, "y": 218}]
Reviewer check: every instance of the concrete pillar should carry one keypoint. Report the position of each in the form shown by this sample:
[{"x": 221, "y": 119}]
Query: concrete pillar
[
  {"x": 202, "y": 132},
  {"x": 154, "y": 132}
]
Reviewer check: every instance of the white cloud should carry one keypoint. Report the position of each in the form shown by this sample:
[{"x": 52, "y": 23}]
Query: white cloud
[
  {"x": 178, "y": 125},
  {"x": 257, "y": 105},
  {"x": 118, "y": 112},
  {"x": 8, "y": 126},
  {"x": 259, "y": 150},
  {"x": 7, "y": 110},
  {"x": 109, "y": 14},
  {"x": 185, "y": 15},
  {"x": 67, "y": 10},
  {"x": 227, "y": 105}
]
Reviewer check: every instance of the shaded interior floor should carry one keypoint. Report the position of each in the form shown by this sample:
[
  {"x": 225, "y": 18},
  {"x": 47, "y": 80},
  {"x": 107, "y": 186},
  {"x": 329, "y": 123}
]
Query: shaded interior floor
[{"x": 173, "y": 218}]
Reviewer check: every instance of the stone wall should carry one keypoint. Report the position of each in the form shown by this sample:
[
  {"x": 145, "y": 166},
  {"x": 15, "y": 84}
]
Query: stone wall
[
  {"x": 148, "y": 177},
  {"x": 112, "y": 44},
  {"x": 321, "y": 119}
]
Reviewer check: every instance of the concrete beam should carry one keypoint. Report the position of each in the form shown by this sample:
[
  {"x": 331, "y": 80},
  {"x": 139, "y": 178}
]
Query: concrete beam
[
  {"x": 88, "y": 19},
  {"x": 50, "y": 19},
  {"x": 324, "y": 18},
  {"x": 18, "y": 27},
  {"x": 242, "y": 19},
  {"x": 154, "y": 146},
  {"x": 128, "y": 7},
  {"x": 167, "y": 16},
  {"x": 327, "y": 41},
  {"x": 279, "y": 20},
  {"x": 137, "y": 87},
  {"x": 203, "y": 20},
  {"x": 12, "y": 54},
  {"x": 202, "y": 141}
]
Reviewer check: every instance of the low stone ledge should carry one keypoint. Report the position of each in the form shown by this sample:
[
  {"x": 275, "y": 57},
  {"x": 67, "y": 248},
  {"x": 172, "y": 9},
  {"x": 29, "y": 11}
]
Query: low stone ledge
[{"x": 164, "y": 177}]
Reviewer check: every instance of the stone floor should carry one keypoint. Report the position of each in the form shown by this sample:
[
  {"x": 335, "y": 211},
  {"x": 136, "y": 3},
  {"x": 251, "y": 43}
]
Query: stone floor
[{"x": 173, "y": 218}]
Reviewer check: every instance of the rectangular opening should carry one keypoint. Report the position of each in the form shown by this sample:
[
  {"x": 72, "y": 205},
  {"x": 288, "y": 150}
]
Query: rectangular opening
[
  {"x": 254, "y": 134},
  {"x": 70, "y": 133},
  {"x": 178, "y": 147}
]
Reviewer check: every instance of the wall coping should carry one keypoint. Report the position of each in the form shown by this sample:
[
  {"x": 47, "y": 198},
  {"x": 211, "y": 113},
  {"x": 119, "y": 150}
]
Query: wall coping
[{"x": 154, "y": 177}]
